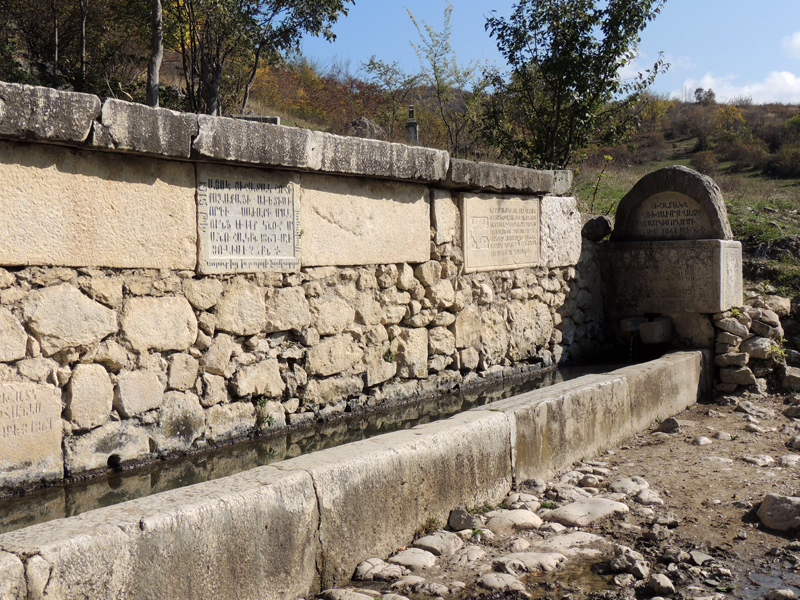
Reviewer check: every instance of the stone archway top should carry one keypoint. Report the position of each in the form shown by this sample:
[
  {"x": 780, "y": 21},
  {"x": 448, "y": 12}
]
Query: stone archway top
[{"x": 701, "y": 208}]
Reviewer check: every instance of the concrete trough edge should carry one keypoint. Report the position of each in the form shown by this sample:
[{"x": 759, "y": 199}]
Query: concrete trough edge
[{"x": 291, "y": 528}]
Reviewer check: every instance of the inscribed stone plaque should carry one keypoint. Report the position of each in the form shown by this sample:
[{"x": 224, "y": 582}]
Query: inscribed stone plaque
[
  {"x": 670, "y": 216},
  {"x": 30, "y": 434},
  {"x": 500, "y": 232},
  {"x": 702, "y": 276},
  {"x": 247, "y": 222}
]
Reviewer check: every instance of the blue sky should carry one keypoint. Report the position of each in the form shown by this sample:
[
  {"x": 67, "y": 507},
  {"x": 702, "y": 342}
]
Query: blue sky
[{"x": 735, "y": 47}]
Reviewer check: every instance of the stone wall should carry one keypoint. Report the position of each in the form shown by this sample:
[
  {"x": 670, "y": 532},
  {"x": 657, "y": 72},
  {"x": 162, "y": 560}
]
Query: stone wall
[{"x": 125, "y": 338}]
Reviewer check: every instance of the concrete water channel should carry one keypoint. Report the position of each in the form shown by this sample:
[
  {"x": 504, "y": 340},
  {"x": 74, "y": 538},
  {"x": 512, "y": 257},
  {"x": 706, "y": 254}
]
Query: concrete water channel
[{"x": 301, "y": 524}]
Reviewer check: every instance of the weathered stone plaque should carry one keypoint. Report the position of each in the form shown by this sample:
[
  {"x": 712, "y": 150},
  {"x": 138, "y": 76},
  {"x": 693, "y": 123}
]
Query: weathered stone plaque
[
  {"x": 247, "y": 225},
  {"x": 500, "y": 232},
  {"x": 702, "y": 276},
  {"x": 30, "y": 434},
  {"x": 670, "y": 216}
]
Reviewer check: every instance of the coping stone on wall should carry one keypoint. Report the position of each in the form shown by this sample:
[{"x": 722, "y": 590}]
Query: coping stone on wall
[
  {"x": 676, "y": 183},
  {"x": 374, "y": 158},
  {"x": 39, "y": 113},
  {"x": 221, "y": 138},
  {"x": 138, "y": 128},
  {"x": 467, "y": 174}
]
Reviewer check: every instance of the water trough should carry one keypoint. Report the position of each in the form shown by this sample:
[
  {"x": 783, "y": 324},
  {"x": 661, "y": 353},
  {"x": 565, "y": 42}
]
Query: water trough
[{"x": 290, "y": 528}]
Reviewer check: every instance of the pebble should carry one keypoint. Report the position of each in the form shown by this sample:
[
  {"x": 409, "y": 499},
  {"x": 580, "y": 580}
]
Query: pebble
[
  {"x": 409, "y": 582},
  {"x": 468, "y": 556},
  {"x": 675, "y": 555},
  {"x": 586, "y": 511},
  {"x": 701, "y": 441},
  {"x": 670, "y": 425},
  {"x": 660, "y": 584},
  {"x": 627, "y": 560},
  {"x": 518, "y": 545},
  {"x": 629, "y": 485},
  {"x": 698, "y": 558},
  {"x": 441, "y": 543},
  {"x": 723, "y": 435},
  {"x": 415, "y": 559},
  {"x": 648, "y": 497},
  {"x": 504, "y": 522},
  {"x": 762, "y": 460},
  {"x": 501, "y": 581},
  {"x": 658, "y": 533},
  {"x": 344, "y": 594}
]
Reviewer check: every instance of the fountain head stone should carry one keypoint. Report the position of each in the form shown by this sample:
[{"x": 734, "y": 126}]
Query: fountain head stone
[{"x": 671, "y": 251}]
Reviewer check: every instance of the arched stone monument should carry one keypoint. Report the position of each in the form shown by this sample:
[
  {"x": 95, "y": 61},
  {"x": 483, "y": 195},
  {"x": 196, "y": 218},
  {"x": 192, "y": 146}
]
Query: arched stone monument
[{"x": 671, "y": 249}]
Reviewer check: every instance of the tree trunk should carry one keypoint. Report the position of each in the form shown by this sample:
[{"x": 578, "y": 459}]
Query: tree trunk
[
  {"x": 55, "y": 38},
  {"x": 154, "y": 66},
  {"x": 252, "y": 78},
  {"x": 84, "y": 12}
]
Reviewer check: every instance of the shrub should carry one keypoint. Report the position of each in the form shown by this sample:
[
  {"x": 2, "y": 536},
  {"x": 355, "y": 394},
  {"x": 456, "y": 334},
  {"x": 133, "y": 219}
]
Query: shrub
[
  {"x": 744, "y": 154},
  {"x": 786, "y": 162},
  {"x": 704, "y": 162}
]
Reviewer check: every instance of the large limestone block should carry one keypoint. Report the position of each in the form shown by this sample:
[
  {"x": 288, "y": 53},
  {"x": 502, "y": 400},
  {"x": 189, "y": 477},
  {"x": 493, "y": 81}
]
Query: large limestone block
[
  {"x": 494, "y": 337},
  {"x": 410, "y": 351},
  {"x": 441, "y": 341},
  {"x": 333, "y": 355},
  {"x": 74, "y": 208},
  {"x": 241, "y": 310},
  {"x": 380, "y": 364},
  {"x": 202, "y": 293},
  {"x": 561, "y": 232},
  {"x": 467, "y": 174},
  {"x": 252, "y": 535},
  {"x": 30, "y": 434},
  {"x": 249, "y": 142},
  {"x": 558, "y": 425},
  {"x": 467, "y": 327},
  {"x": 363, "y": 221},
  {"x": 321, "y": 392},
  {"x": 181, "y": 421},
  {"x": 89, "y": 396},
  {"x": 166, "y": 323},
  {"x": 229, "y": 421},
  {"x": 531, "y": 328},
  {"x": 13, "y": 338},
  {"x": 61, "y": 317},
  {"x": 119, "y": 443},
  {"x": 331, "y": 314},
  {"x": 287, "y": 309},
  {"x": 39, "y": 113},
  {"x": 137, "y": 392},
  {"x": 262, "y": 379},
  {"x": 417, "y": 474},
  {"x": 138, "y": 128},
  {"x": 12, "y": 578},
  {"x": 374, "y": 158},
  {"x": 446, "y": 217}
]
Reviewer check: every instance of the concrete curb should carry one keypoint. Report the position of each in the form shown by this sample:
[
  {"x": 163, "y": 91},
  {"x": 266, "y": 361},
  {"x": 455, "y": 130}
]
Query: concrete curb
[{"x": 286, "y": 530}]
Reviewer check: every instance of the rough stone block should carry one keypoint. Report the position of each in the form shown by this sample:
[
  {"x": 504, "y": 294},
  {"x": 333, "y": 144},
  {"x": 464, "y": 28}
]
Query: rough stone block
[
  {"x": 658, "y": 331},
  {"x": 30, "y": 434},
  {"x": 181, "y": 421},
  {"x": 466, "y": 174},
  {"x": 333, "y": 355},
  {"x": 12, "y": 578},
  {"x": 287, "y": 309},
  {"x": 137, "y": 392},
  {"x": 89, "y": 396},
  {"x": 702, "y": 276},
  {"x": 166, "y": 323},
  {"x": 13, "y": 337},
  {"x": 446, "y": 218},
  {"x": 75, "y": 208},
  {"x": 241, "y": 310},
  {"x": 356, "y": 221},
  {"x": 374, "y": 158},
  {"x": 229, "y": 421},
  {"x": 142, "y": 129},
  {"x": 322, "y": 392},
  {"x": 263, "y": 378},
  {"x": 119, "y": 444},
  {"x": 249, "y": 142},
  {"x": 464, "y": 462},
  {"x": 61, "y": 317},
  {"x": 560, "y": 232},
  {"x": 182, "y": 371},
  {"x": 39, "y": 113}
]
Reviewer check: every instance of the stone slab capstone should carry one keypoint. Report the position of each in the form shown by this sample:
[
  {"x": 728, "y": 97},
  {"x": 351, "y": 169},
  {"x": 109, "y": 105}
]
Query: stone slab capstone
[
  {"x": 467, "y": 174},
  {"x": 39, "y": 113},
  {"x": 131, "y": 127}
]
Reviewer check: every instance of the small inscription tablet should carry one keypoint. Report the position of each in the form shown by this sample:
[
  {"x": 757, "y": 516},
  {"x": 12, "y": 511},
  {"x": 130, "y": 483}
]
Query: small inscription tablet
[
  {"x": 500, "y": 232},
  {"x": 670, "y": 216},
  {"x": 247, "y": 225}
]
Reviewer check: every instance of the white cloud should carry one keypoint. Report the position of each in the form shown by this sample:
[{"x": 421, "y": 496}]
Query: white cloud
[
  {"x": 791, "y": 45},
  {"x": 778, "y": 86}
]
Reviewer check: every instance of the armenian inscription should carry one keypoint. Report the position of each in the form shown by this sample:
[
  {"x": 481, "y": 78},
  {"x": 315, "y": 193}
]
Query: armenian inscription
[
  {"x": 670, "y": 216},
  {"x": 30, "y": 429},
  {"x": 247, "y": 225},
  {"x": 500, "y": 232}
]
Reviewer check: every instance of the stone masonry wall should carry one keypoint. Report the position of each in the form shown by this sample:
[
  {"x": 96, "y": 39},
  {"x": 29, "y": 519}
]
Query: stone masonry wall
[{"x": 108, "y": 358}]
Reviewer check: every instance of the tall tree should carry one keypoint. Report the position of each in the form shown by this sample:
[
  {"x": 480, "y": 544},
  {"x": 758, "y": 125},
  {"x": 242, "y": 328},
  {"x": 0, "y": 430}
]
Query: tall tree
[
  {"x": 211, "y": 34},
  {"x": 564, "y": 87},
  {"x": 156, "y": 53}
]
